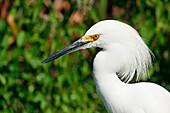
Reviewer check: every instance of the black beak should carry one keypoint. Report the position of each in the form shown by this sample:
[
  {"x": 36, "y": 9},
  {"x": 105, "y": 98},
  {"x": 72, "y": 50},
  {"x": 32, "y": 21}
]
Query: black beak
[{"x": 77, "y": 45}]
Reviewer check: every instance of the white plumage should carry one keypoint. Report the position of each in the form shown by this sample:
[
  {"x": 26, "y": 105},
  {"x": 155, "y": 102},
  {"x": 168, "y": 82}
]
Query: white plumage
[
  {"x": 123, "y": 54},
  {"x": 129, "y": 51}
]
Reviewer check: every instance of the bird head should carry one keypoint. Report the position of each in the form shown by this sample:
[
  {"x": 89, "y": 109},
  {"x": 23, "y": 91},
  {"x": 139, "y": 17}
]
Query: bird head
[
  {"x": 90, "y": 39},
  {"x": 99, "y": 35},
  {"x": 121, "y": 40}
]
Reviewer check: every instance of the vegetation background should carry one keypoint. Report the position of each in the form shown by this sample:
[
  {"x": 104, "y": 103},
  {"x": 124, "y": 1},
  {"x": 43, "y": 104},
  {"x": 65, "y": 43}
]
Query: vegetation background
[{"x": 31, "y": 30}]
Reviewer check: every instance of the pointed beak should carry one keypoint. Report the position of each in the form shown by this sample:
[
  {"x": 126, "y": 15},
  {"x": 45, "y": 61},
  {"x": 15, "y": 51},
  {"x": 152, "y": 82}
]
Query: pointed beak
[{"x": 77, "y": 45}]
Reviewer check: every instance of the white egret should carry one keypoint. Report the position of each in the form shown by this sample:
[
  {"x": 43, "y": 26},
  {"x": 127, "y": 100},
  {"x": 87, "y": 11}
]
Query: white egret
[{"x": 123, "y": 54}]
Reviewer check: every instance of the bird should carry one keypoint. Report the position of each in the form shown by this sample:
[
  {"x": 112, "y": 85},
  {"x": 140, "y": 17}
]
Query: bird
[{"x": 123, "y": 56}]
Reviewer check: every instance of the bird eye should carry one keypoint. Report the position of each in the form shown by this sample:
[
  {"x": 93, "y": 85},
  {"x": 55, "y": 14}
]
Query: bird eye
[
  {"x": 95, "y": 37},
  {"x": 91, "y": 38}
]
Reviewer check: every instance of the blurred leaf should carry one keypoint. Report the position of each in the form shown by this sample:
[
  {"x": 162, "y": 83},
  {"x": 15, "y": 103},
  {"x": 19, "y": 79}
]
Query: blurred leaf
[
  {"x": 3, "y": 26},
  {"x": 3, "y": 56},
  {"x": 103, "y": 8},
  {"x": 94, "y": 14},
  {"x": 159, "y": 10},
  {"x": 22, "y": 38},
  {"x": 2, "y": 79},
  {"x": 65, "y": 97},
  {"x": 147, "y": 30},
  {"x": 4, "y": 42},
  {"x": 31, "y": 59}
]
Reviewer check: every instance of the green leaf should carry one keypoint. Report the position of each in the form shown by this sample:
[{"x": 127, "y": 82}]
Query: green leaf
[
  {"x": 31, "y": 59},
  {"x": 22, "y": 38},
  {"x": 3, "y": 56},
  {"x": 2, "y": 79},
  {"x": 3, "y": 26},
  {"x": 4, "y": 42},
  {"x": 94, "y": 14},
  {"x": 159, "y": 10},
  {"x": 147, "y": 30}
]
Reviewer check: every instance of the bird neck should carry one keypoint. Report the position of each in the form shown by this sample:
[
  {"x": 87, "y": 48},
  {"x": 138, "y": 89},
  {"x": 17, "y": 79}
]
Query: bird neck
[
  {"x": 104, "y": 69},
  {"x": 108, "y": 86}
]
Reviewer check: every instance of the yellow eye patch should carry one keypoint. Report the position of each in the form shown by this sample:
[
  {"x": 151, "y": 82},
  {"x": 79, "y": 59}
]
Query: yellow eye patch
[{"x": 90, "y": 38}]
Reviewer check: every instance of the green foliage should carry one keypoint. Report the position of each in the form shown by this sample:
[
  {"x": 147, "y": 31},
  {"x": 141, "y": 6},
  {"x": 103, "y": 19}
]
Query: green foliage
[{"x": 33, "y": 30}]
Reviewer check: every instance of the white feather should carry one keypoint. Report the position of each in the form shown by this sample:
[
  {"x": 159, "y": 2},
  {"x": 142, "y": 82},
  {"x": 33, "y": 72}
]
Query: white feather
[
  {"x": 138, "y": 56},
  {"x": 124, "y": 52}
]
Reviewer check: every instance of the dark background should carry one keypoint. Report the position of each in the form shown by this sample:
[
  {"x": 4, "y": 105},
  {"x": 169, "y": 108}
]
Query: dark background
[{"x": 31, "y": 30}]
